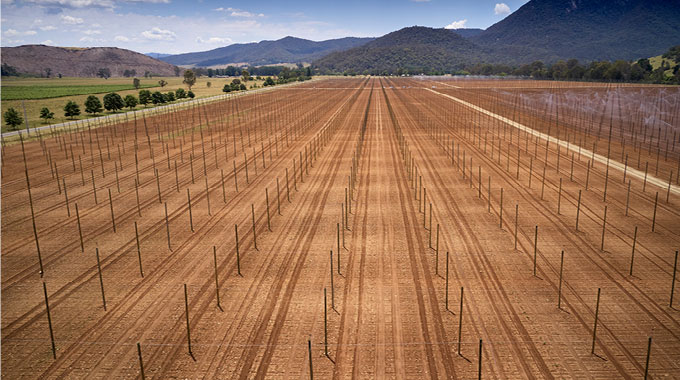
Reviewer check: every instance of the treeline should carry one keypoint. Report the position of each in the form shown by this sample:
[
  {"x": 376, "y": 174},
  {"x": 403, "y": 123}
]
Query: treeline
[
  {"x": 104, "y": 72},
  {"x": 640, "y": 71},
  {"x": 617, "y": 71},
  {"x": 262, "y": 71}
]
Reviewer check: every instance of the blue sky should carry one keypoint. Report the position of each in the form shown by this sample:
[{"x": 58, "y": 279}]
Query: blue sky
[{"x": 175, "y": 26}]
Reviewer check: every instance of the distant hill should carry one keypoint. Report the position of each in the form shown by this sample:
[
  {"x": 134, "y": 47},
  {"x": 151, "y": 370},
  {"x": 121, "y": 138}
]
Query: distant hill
[
  {"x": 285, "y": 50},
  {"x": 414, "y": 48},
  {"x": 81, "y": 62},
  {"x": 587, "y": 29},
  {"x": 157, "y": 55}
]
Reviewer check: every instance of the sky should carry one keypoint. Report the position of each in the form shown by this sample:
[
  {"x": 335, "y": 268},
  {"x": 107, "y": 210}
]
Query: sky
[{"x": 176, "y": 26}]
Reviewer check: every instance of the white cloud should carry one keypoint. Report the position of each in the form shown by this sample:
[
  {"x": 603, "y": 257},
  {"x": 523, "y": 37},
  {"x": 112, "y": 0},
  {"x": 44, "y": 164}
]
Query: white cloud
[
  {"x": 47, "y": 28},
  {"x": 460, "y": 24},
  {"x": 501, "y": 9},
  {"x": 159, "y": 34},
  {"x": 48, "y": 42},
  {"x": 70, "y": 20},
  {"x": 242, "y": 14},
  {"x": 91, "y": 32},
  {"x": 214, "y": 40},
  {"x": 234, "y": 12},
  {"x": 121, "y": 39},
  {"x": 14, "y": 33}
]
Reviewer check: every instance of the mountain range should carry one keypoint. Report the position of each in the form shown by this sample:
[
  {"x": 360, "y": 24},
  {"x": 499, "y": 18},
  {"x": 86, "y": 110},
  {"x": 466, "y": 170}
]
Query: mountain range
[
  {"x": 285, "y": 50},
  {"x": 546, "y": 30}
]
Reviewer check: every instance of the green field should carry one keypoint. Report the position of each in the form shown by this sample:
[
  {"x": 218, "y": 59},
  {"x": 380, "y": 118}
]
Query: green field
[{"x": 57, "y": 91}]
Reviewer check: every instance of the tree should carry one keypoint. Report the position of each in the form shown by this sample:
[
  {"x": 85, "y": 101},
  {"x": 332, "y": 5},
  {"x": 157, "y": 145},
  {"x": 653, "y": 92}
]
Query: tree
[
  {"x": 190, "y": 94},
  {"x": 637, "y": 73},
  {"x": 558, "y": 70},
  {"x": 71, "y": 109},
  {"x": 144, "y": 97},
  {"x": 48, "y": 72},
  {"x": 45, "y": 114},
  {"x": 180, "y": 93},
  {"x": 171, "y": 96},
  {"x": 242, "y": 87},
  {"x": 136, "y": 83},
  {"x": 236, "y": 81},
  {"x": 177, "y": 70},
  {"x": 645, "y": 65},
  {"x": 226, "y": 88},
  {"x": 130, "y": 101},
  {"x": 189, "y": 78},
  {"x": 13, "y": 119},
  {"x": 246, "y": 75},
  {"x": 269, "y": 82},
  {"x": 93, "y": 105},
  {"x": 8, "y": 70},
  {"x": 208, "y": 84},
  {"x": 162, "y": 83},
  {"x": 157, "y": 98},
  {"x": 104, "y": 72},
  {"x": 113, "y": 102}
]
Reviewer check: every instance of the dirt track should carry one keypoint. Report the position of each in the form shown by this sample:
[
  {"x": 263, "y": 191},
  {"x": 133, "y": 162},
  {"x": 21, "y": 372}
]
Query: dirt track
[{"x": 390, "y": 318}]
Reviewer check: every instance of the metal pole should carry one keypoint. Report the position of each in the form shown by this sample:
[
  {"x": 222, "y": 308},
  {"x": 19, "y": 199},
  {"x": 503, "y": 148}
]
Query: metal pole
[{"x": 597, "y": 311}]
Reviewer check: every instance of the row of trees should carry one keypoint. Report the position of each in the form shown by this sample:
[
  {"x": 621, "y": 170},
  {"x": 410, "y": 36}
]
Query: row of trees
[
  {"x": 112, "y": 102},
  {"x": 258, "y": 72}
]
